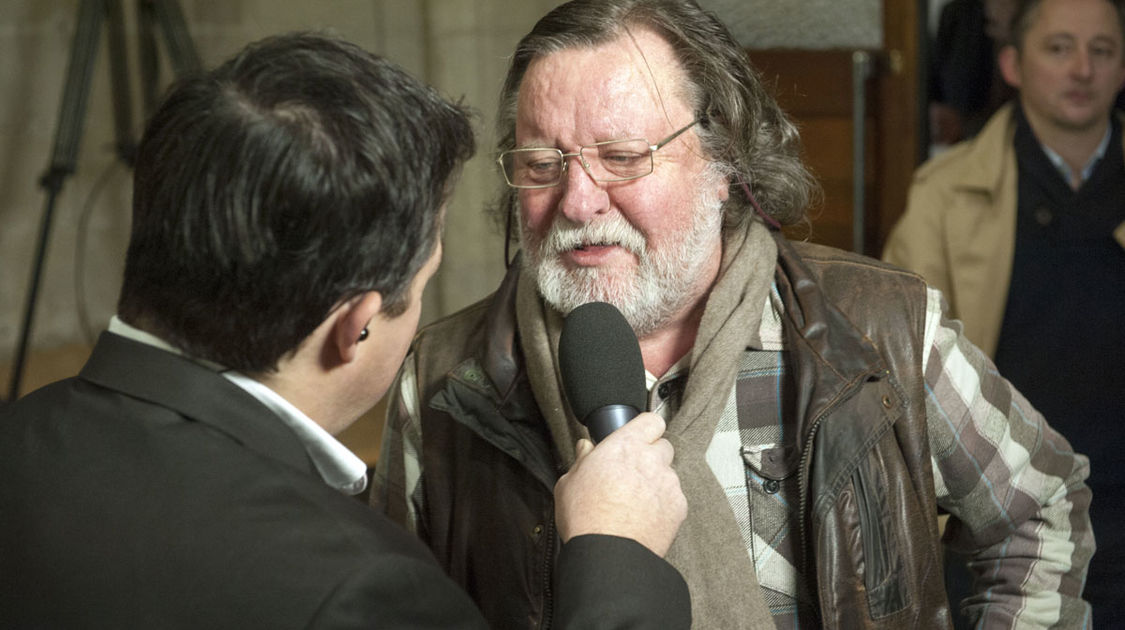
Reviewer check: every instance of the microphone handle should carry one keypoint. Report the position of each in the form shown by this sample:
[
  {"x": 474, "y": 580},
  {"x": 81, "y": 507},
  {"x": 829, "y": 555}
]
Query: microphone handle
[{"x": 601, "y": 422}]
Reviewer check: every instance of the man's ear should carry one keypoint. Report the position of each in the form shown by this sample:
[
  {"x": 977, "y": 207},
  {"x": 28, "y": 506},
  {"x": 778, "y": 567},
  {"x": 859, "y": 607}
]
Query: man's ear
[
  {"x": 1009, "y": 61},
  {"x": 352, "y": 320}
]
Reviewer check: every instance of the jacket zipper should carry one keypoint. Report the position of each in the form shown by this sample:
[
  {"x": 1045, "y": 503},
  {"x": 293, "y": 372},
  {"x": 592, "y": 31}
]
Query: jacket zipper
[{"x": 548, "y": 569}]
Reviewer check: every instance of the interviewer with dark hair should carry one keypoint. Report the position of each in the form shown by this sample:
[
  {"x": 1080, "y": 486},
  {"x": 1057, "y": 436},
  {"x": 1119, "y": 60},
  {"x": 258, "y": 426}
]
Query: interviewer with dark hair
[{"x": 288, "y": 213}]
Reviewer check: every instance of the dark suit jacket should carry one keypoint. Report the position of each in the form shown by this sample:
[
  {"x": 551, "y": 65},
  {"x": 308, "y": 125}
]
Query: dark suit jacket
[{"x": 150, "y": 492}]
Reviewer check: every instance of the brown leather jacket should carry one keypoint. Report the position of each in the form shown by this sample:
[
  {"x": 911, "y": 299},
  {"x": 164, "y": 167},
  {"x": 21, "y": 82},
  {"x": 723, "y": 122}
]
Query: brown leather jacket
[{"x": 854, "y": 330}]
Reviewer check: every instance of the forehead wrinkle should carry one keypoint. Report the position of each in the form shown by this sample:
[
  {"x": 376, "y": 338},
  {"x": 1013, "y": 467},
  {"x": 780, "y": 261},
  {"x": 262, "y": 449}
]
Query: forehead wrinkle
[{"x": 604, "y": 87}]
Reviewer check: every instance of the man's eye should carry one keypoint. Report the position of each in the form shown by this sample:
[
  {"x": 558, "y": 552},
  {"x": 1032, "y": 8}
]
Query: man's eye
[
  {"x": 542, "y": 166},
  {"x": 619, "y": 158},
  {"x": 1058, "y": 49},
  {"x": 541, "y": 169}
]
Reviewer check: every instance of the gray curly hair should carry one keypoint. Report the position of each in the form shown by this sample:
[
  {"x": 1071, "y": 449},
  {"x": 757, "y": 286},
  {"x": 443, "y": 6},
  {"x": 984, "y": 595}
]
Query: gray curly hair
[{"x": 744, "y": 131}]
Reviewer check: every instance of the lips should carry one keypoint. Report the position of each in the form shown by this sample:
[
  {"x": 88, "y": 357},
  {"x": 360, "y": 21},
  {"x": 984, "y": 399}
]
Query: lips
[
  {"x": 586, "y": 246},
  {"x": 1079, "y": 96},
  {"x": 595, "y": 254}
]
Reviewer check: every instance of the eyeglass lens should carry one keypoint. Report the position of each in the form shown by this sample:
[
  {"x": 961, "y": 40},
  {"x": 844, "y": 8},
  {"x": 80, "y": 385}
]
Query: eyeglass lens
[{"x": 609, "y": 161}]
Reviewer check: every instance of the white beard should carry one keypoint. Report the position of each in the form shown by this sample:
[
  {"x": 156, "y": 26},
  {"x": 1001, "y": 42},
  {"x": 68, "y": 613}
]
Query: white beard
[{"x": 664, "y": 281}]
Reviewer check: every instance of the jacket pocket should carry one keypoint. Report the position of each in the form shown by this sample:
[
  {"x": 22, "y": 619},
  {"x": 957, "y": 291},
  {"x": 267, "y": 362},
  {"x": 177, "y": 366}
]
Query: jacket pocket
[{"x": 884, "y": 572}]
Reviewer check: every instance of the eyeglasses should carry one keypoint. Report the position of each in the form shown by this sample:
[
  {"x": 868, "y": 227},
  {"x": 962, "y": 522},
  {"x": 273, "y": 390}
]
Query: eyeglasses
[{"x": 609, "y": 161}]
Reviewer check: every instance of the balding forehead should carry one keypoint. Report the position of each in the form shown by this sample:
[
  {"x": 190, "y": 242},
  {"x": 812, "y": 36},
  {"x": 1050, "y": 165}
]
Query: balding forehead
[{"x": 628, "y": 71}]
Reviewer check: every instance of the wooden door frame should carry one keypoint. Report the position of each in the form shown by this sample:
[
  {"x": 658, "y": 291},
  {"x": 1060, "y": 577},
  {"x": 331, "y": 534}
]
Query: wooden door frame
[
  {"x": 898, "y": 86},
  {"x": 815, "y": 87}
]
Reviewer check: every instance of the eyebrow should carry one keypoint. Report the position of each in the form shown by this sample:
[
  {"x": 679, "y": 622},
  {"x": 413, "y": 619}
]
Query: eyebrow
[
  {"x": 608, "y": 138},
  {"x": 1100, "y": 38},
  {"x": 1106, "y": 39}
]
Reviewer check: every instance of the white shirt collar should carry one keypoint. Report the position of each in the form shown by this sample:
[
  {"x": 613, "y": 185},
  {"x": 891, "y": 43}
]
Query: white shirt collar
[
  {"x": 1064, "y": 168},
  {"x": 338, "y": 466}
]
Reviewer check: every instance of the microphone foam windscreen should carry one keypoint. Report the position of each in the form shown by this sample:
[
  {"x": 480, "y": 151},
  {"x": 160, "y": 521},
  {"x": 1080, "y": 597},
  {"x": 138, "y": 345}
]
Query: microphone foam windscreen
[{"x": 600, "y": 360}]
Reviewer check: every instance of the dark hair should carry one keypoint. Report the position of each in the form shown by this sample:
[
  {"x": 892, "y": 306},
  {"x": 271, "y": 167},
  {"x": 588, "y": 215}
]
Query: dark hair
[
  {"x": 302, "y": 172},
  {"x": 1026, "y": 11},
  {"x": 745, "y": 131}
]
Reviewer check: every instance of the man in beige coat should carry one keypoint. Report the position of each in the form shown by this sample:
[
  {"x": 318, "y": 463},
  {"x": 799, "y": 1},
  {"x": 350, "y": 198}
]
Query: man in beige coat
[{"x": 1023, "y": 230}]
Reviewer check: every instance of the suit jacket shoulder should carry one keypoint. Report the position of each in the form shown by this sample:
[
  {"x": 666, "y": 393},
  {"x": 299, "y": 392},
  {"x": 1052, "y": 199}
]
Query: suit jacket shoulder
[{"x": 152, "y": 492}]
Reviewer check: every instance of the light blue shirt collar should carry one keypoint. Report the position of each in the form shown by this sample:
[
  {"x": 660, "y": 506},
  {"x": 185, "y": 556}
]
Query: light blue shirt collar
[
  {"x": 1087, "y": 170},
  {"x": 338, "y": 466}
]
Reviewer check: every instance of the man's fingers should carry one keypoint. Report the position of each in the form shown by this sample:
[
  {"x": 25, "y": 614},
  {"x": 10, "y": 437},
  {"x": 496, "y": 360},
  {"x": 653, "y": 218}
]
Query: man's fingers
[
  {"x": 647, "y": 427},
  {"x": 583, "y": 448}
]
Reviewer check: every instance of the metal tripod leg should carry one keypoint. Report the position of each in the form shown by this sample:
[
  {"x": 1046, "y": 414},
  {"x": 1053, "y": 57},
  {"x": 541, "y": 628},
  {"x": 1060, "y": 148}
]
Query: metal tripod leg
[
  {"x": 168, "y": 16},
  {"x": 68, "y": 133},
  {"x": 119, "y": 75},
  {"x": 181, "y": 50},
  {"x": 72, "y": 114}
]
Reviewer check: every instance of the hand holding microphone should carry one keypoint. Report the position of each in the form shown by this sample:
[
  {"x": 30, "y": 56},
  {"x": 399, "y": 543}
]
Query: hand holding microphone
[{"x": 625, "y": 486}]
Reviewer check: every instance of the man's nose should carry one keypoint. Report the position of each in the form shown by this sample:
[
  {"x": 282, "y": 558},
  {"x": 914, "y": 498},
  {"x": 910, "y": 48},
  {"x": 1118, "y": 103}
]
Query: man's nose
[
  {"x": 582, "y": 198},
  {"x": 1082, "y": 65}
]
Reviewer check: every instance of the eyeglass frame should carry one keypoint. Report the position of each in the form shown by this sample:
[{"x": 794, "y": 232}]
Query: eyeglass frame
[{"x": 652, "y": 148}]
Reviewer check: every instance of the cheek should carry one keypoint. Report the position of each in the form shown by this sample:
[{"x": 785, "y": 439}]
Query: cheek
[
  {"x": 536, "y": 209},
  {"x": 402, "y": 333},
  {"x": 1117, "y": 74},
  {"x": 660, "y": 213},
  {"x": 392, "y": 353}
]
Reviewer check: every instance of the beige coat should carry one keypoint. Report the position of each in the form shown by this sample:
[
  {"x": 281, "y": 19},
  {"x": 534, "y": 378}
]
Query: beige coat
[{"x": 959, "y": 228}]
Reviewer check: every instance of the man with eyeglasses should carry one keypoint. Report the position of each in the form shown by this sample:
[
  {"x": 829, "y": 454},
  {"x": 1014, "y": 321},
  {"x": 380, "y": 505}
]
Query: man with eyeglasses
[{"x": 821, "y": 407}]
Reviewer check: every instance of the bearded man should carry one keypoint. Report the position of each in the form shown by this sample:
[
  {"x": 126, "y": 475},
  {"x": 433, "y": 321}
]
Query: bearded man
[{"x": 821, "y": 407}]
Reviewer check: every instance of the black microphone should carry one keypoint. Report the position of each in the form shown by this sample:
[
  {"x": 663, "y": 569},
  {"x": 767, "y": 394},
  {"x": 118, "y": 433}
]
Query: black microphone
[{"x": 602, "y": 370}]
